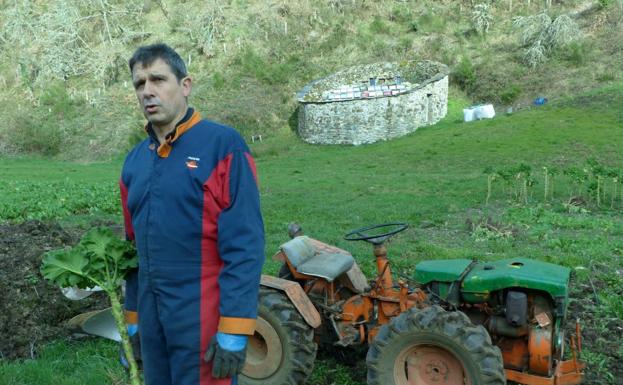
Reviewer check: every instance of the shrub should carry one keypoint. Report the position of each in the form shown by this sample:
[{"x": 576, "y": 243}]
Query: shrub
[
  {"x": 481, "y": 18},
  {"x": 46, "y": 127},
  {"x": 464, "y": 74},
  {"x": 510, "y": 94},
  {"x": 218, "y": 81},
  {"x": 37, "y": 135},
  {"x": 202, "y": 28},
  {"x": 274, "y": 71},
  {"x": 136, "y": 135},
  {"x": 535, "y": 55},
  {"x": 401, "y": 14},
  {"x": 379, "y": 26},
  {"x": 562, "y": 31},
  {"x": 574, "y": 53},
  {"x": 605, "y": 3},
  {"x": 540, "y": 35},
  {"x": 605, "y": 77},
  {"x": 430, "y": 22}
]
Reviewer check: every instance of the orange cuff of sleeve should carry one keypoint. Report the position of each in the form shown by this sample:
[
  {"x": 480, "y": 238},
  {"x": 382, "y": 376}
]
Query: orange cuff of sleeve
[
  {"x": 131, "y": 317},
  {"x": 233, "y": 325}
]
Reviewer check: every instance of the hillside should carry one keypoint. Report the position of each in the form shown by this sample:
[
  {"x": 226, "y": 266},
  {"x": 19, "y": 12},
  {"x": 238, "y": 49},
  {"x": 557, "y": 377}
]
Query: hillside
[
  {"x": 65, "y": 91},
  {"x": 567, "y": 153}
]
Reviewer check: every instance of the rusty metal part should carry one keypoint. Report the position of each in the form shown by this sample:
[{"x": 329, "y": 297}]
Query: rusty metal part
[
  {"x": 540, "y": 339},
  {"x": 566, "y": 373},
  {"x": 357, "y": 309},
  {"x": 538, "y": 351},
  {"x": 404, "y": 295},
  {"x": 573, "y": 351},
  {"x": 428, "y": 365},
  {"x": 540, "y": 348},
  {"x": 387, "y": 311},
  {"x": 514, "y": 353},
  {"x": 362, "y": 334},
  {"x": 348, "y": 334},
  {"x": 382, "y": 266},
  {"x": 578, "y": 335},
  {"x": 298, "y": 297},
  {"x": 569, "y": 372},
  {"x": 265, "y": 353}
]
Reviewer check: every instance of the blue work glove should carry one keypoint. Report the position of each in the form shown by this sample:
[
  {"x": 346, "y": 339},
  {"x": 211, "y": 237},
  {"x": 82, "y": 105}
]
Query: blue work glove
[
  {"x": 227, "y": 353},
  {"x": 136, "y": 348}
]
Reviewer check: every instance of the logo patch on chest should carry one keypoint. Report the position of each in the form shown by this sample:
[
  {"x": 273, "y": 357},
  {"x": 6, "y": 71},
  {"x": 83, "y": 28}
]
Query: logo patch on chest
[{"x": 192, "y": 162}]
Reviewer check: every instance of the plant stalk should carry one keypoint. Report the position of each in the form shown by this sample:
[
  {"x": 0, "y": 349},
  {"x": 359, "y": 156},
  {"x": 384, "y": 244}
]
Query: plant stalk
[
  {"x": 117, "y": 313},
  {"x": 598, "y": 191},
  {"x": 546, "y": 184},
  {"x": 489, "y": 182}
]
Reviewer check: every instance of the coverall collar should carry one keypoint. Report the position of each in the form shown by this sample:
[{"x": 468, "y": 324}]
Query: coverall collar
[{"x": 186, "y": 123}]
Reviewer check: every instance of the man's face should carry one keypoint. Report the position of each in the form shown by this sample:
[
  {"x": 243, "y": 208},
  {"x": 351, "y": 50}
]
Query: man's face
[{"x": 161, "y": 96}]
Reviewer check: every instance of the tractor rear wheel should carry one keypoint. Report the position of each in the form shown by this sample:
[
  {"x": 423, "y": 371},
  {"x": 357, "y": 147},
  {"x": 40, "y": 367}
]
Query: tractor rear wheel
[
  {"x": 432, "y": 346},
  {"x": 282, "y": 350}
]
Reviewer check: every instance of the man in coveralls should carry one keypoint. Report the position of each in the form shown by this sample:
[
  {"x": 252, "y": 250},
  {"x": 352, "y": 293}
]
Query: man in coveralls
[{"x": 191, "y": 203}]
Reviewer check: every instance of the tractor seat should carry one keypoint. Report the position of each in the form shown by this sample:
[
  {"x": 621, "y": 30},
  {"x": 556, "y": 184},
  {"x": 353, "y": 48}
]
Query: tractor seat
[{"x": 309, "y": 261}]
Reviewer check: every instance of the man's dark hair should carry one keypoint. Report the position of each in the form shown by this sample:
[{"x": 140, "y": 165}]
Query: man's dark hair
[{"x": 147, "y": 54}]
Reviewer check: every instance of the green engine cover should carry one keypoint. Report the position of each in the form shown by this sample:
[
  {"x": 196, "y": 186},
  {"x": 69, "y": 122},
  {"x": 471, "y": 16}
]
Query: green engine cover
[{"x": 485, "y": 278}]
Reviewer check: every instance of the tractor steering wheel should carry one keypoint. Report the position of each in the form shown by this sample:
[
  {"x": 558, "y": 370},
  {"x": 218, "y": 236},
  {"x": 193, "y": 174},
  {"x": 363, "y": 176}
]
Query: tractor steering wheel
[{"x": 363, "y": 234}]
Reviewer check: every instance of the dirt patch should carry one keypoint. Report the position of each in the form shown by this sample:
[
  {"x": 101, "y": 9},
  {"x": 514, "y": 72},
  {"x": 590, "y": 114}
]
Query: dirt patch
[
  {"x": 602, "y": 333},
  {"x": 32, "y": 311}
]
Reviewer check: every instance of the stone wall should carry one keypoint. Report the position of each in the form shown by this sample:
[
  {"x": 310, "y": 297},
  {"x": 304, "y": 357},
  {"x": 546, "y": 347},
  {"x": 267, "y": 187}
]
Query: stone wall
[{"x": 369, "y": 120}]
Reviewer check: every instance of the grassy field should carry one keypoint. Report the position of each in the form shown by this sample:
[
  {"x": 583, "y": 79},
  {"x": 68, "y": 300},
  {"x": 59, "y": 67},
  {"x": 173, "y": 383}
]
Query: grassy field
[{"x": 435, "y": 179}]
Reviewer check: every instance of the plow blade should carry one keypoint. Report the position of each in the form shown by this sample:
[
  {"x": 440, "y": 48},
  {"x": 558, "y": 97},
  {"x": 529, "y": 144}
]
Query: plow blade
[{"x": 99, "y": 323}]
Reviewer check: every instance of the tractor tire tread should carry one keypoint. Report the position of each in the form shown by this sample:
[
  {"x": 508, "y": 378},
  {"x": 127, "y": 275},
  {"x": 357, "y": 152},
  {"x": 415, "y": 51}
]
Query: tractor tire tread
[
  {"x": 300, "y": 340},
  {"x": 455, "y": 326}
]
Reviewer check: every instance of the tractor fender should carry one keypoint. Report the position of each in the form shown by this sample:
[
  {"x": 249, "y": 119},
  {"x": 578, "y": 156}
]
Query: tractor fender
[{"x": 297, "y": 296}]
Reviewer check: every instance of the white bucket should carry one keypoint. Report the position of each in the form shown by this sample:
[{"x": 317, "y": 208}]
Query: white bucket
[
  {"x": 485, "y": 111},
  {"x": 469, "y": 114}
]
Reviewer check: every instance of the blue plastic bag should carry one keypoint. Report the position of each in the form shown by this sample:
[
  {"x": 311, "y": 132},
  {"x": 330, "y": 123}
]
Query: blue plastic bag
[{"x": 540, "y": 101}]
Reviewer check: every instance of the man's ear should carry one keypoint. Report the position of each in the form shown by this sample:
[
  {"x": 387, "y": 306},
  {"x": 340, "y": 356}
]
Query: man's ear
[{"x": 187, "y": 85}]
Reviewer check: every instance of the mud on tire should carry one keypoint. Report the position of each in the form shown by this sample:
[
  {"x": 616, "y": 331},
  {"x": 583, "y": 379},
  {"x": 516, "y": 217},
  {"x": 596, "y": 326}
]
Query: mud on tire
[
  {"x": 434, "y": 346},
  {"x": 282, "y": 351}
]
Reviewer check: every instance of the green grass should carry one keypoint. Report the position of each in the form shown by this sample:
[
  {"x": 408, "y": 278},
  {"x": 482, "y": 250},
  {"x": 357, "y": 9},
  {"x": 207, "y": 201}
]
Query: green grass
[
  {"x": 90, "y": 362},
  {"x": 35, "y": 188},
  {"x": 433, "y": 179}
]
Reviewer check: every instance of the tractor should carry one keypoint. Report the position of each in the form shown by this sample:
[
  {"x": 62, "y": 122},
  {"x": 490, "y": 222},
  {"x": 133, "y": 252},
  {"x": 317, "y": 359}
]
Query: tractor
[{"x": 453, "y": 322}]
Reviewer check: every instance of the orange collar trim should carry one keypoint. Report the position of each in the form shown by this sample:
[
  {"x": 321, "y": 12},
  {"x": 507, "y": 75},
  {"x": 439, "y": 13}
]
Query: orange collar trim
[{"x": 165, "y": 148}]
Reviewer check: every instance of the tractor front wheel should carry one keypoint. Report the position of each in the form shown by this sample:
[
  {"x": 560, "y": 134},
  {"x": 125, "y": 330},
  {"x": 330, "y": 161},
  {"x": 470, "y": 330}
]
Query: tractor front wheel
[
  {"x": 432, "y": 346},
  {"x": 282, "y": 350}
]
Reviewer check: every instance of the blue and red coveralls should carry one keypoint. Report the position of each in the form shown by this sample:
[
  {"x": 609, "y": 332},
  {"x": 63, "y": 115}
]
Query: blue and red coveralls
[{"x": 192, "y": 206}]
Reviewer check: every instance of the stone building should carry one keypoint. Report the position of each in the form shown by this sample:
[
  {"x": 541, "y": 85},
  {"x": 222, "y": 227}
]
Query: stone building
[{"x": 368, "y": 103}]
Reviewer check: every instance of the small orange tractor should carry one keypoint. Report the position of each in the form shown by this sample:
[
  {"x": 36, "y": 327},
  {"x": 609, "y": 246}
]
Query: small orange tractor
[{"x": 454, "y": 322}]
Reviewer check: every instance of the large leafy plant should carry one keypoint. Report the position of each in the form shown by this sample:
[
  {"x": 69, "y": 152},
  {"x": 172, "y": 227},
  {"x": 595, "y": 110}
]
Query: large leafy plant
[{"x": 99, "y": 259}]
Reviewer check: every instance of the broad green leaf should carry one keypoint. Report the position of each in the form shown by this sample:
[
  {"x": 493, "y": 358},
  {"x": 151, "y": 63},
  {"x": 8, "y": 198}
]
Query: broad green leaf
[
  {"x": 87, "y": 262},
  {"x": 65, "y": 268},
  {"x": 97, "y": 241}
]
